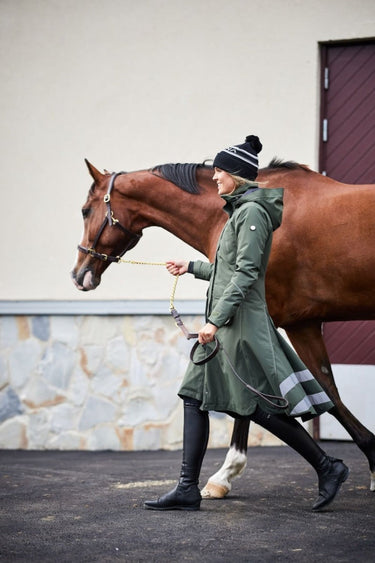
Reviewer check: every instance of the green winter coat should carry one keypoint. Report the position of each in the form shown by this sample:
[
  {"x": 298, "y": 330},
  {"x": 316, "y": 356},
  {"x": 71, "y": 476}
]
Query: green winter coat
[{"x": 236, "y": 305}]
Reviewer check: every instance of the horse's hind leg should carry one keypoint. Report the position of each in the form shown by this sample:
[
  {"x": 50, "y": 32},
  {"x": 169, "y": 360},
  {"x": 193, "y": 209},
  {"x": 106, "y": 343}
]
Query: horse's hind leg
[
  {"x": 308, "y": 342},
  {"x": 219, "y": 484}
]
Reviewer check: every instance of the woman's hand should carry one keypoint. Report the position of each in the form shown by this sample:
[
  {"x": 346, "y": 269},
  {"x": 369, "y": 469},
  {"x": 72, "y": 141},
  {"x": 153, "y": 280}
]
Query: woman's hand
[
  {"x": 207, "y": 333},
  {"x": 177, "y": 267}
]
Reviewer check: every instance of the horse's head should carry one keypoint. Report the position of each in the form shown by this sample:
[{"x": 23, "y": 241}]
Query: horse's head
[{"x": 105, "y": 236}]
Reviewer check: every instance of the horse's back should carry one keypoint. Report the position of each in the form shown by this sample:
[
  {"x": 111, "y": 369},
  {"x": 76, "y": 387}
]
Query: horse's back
[{"x": 322, "y": 256}]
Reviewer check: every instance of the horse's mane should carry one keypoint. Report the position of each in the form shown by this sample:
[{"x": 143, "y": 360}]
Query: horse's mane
[
  {"x": 182, "y": 175},
  {"x": 185, "y": 175},
  {"x": 277, "y": 163}
]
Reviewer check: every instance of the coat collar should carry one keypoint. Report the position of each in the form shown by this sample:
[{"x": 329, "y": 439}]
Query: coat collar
[
  {"x": 237, "y": 197},
  {"x": 271, "y": 199}
]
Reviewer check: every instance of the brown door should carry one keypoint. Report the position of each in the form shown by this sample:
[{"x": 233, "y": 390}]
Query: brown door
[{"x": 347, "y": 154}]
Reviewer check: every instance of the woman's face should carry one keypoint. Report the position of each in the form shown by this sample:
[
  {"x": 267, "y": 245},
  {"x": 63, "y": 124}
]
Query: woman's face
[{"x": 225, "y": 182}]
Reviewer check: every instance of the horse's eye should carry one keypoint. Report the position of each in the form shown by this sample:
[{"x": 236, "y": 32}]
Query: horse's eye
[{"x": 85, "y": 212}]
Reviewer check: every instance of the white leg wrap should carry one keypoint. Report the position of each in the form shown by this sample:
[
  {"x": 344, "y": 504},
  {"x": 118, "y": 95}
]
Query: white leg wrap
[
  {"x": 219, "y": 484},
  {"x": 372, "y": 482}
]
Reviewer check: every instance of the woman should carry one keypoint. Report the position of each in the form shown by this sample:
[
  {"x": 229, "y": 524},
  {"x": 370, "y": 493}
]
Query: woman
[{"x": 251, "y": 347}]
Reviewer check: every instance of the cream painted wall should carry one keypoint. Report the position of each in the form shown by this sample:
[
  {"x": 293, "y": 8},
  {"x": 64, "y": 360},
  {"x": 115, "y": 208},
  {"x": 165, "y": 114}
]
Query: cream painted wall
[{"x": 132, "y": 84}]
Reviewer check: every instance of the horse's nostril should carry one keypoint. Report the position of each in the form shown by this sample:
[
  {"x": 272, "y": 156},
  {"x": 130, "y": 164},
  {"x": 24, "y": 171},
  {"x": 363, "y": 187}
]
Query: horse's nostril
[{"x": 78, "y": 277}]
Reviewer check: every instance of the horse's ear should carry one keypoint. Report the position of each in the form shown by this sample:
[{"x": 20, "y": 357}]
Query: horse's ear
[{"x": 94, "y": 173}]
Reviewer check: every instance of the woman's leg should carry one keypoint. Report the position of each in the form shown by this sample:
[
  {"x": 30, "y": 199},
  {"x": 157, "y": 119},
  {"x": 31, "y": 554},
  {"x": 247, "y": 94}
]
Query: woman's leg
[
  {"x": 331, "y": 472},
  {"x": 186, "y": 495}
]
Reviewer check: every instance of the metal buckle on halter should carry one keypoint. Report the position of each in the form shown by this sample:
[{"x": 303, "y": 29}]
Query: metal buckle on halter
[
  {"x": 107, "y": 198},
  {"x": 114, "y": 221},
  {"x": 93, "y": 253}
]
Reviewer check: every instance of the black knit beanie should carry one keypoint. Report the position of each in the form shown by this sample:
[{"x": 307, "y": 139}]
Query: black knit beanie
[{"x": 240, "y": 160}]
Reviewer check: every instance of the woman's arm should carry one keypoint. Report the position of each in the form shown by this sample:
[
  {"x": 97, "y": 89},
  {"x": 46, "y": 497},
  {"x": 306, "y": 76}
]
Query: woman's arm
[{"x": 201, "y": 270}]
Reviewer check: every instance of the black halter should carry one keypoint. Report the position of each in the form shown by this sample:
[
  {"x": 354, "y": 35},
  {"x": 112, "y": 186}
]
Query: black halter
[{"x": 112, "y": 222}]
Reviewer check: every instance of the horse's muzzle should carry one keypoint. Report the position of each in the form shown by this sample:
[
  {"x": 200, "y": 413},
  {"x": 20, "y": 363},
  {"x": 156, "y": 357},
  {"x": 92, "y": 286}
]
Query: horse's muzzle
[{"x": 85, "y": 280}]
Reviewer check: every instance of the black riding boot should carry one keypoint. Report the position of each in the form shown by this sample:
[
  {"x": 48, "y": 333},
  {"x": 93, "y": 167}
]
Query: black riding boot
[
  {"x": 186, "y": 495},
  {"x": 331, "y": 472}
]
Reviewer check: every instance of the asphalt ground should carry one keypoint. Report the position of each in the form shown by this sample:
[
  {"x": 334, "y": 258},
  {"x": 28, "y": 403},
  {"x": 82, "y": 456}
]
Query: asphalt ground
[{"x": 88, "y": 507}]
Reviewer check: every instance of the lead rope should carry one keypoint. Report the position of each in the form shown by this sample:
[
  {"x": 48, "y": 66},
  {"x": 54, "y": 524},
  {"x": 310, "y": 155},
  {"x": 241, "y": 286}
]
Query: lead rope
[
  {"x": 173, "y": 311},
  {"x": 266, "y": 397},
  {"x": 142, "y": 263}
]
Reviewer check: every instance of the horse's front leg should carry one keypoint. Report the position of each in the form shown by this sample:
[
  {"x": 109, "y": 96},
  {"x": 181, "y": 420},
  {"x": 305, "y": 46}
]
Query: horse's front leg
[
  {"x": 308, "y": 342},
  {"x": 219, "y": 484}
]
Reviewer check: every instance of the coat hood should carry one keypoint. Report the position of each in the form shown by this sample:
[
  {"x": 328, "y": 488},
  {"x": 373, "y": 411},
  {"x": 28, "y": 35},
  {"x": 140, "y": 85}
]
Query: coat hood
[{"x": 271, "y": 199}]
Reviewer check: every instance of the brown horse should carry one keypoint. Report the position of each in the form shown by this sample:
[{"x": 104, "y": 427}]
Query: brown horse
[{"x": 321, "y": 266}]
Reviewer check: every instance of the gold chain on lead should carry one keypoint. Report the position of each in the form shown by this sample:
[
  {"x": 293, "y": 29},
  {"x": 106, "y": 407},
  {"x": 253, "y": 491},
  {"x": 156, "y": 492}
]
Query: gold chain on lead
[{"x": 142, "y": 263}]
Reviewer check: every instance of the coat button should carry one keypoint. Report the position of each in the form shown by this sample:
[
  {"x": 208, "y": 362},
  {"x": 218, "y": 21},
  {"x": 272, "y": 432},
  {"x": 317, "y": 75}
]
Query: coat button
[{"x": 252, "y": 228}]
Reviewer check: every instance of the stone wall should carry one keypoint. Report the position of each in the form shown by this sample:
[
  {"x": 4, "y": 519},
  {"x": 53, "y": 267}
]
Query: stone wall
[{"x": 97, "y": 382}]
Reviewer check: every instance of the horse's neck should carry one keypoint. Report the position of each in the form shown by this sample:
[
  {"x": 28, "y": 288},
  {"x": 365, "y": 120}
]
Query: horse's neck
[{"x": 195, "y": 219}]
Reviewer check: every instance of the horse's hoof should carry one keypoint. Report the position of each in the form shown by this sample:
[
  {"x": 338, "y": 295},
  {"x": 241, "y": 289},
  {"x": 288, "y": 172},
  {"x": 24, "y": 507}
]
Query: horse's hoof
[
  {"x": 372, "y": 482},
  {"x": 214, "y": 491}
]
